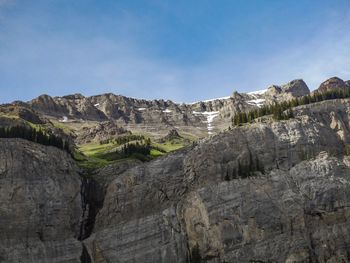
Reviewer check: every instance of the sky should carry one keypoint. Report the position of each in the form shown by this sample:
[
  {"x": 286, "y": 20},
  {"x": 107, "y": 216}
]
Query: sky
[{"x": 183, "y": 50}]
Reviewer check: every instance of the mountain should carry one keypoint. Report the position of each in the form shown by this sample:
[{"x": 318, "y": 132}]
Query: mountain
[
  {"x": 158, "y": 117},
  {"x": 273, "y": 192},
  {"x": 333, "y": 83},
  {"x": 268, "y": 190}
]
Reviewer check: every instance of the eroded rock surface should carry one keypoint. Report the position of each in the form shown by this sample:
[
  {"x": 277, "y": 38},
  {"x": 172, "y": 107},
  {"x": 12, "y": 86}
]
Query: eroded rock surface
[
  {"x": 200, "y": 202},
  {"x": 157, "y": 117},
  {"x": 333, "y": 83},
  {"x": 262, "y": 192},
  {"x": 40, "y": 204}
]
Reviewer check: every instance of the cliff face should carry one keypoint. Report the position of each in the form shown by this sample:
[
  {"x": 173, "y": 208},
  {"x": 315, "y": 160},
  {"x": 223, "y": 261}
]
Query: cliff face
[
  {"x": 72, "y": 105},
  {"x": 263, "y": 192},
  {"x": 40, "y": 206},
  {"x": 293, "y": 207}
]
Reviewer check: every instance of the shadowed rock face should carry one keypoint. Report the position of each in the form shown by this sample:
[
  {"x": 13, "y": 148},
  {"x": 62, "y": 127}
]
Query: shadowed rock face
[
  {"x": 72, "y": 105},
  {"x": 23, "y": 111},
  {"x": 333, "y": 83},
  {"x": 296, "y": 87},
  {"x": 198, "y": 199},
  {"x": 102, "y": 131},
  {"x": 293, "y": 89},
  {"x": 40, "y": 204}
]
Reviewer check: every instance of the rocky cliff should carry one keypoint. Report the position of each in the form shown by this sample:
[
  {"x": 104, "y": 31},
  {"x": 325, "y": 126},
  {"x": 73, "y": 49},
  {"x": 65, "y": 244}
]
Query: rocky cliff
[
  {"x": 270, "y": 191},
  {"x": 157, "y": 117},
  {"x": 40, "y": 206}
]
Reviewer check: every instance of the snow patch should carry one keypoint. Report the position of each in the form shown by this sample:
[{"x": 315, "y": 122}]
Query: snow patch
[
  {"x": 256, "y": 102},
  {"x": 211, "y": 115},
  {"x": 258, "y": 92},
  {"x": 167, "y": 111},
  {"x": 64, "y": 119},
  {"x": 206, "y": 112},
  {"x": 222, "y": 98},
  {"x": 97, "y": 104},
  {"x": 141, "y": 109}
]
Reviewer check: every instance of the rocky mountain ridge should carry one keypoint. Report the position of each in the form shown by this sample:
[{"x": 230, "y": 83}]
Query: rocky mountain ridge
[
  {"x": 158, "y": 117},
  {"x": 124, "y": 109},
  {"x": 268, "y": 191},
  {"x": 333, "y": 83}
]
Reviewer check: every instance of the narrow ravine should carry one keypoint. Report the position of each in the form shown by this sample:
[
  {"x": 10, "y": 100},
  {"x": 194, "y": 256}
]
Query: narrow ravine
[{"x": 92, "y": 196}]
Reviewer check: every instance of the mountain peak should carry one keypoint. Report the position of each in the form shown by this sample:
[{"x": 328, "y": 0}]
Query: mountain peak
[
  {"x": 74, "y": 96},
  {"x": 332, "y": 83},
  {"x": 297, "y": 87}
]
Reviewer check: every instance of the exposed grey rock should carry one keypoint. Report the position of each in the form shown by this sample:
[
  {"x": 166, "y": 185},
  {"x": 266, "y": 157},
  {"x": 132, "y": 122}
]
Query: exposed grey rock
[
  {"x": 293, "y": 89},
  {"x": 297, "y": 210},
  {"x": 273, "y": 90},
  {"x": 102, "y": 131},
  {"x": 138, "y": 221},
  {"x": 40, "y": 204},
  {"x": 263, "y": 192},
  {"x": 157, "y": 117},
  {"x": 299, "y": 215},
  {"x": 71, "y": 106},
  {"x": 297, "y": 88},
  {"x": 21, "y": 110},
  {"x": 332, "y": 83},
  {"x": 173, "y": 136}
]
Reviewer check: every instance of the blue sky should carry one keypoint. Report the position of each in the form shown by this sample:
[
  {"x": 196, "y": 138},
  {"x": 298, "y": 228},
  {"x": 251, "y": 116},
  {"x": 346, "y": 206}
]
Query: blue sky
[{"x": 183, "y": 50}]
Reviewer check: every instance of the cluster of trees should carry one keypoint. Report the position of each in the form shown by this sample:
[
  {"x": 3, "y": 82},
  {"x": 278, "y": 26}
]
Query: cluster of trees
[
  {"x": 123, "y": 139},
  {"x": 136, "y": 149},
  {"x": 283, "y": 110},
  {"x": 34, "y": 135},
  {"x": 279, "y": 111}
]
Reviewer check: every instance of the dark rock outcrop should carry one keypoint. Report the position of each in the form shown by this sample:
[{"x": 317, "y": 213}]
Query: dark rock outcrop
[
  {"x": 293, "y": 89},
  {"x": 171, "y": 136},
  {"x": 332, "y": 83},
  {"x": 71, "y": 106},
  {"x": 40, "y": 204},
  {"x": 297, "y": 88},
  {"x": 20, "y": 111}
]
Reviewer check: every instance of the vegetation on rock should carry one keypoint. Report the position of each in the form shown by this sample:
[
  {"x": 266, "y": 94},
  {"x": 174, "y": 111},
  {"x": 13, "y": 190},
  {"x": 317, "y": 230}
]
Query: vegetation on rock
[
  {"x": 123, "y": 139},
  {"x": 31, "y": 134},
  {"x": 283, "y": 110}
]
